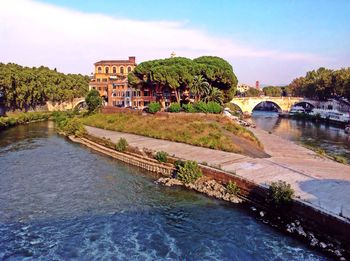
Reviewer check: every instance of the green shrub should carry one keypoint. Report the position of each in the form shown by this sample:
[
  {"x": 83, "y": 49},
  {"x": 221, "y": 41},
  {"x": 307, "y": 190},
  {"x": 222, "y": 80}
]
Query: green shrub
[
  {"x": 232, "y": 188},
  {"x": 188, "y": 108},
  {"x": 280, "y": 192},
  {"x": 72, "y": 127},
  {"x": 121, "y": 145},
  {"x": 214, "y": 107},
  {"x": 154, "y": 107},
  {"x": 189, "y": 172},
  {"x": 175, "y": 107},
  {"x": 93, "y": 101},
  {"x": 161, "y": 156},
  {"x": 178, "y": 164},
  {"x": 201, "y": 107}
]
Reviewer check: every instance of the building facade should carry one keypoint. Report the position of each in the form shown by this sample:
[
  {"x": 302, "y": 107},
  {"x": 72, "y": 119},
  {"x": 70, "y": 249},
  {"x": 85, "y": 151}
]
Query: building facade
[{"x": 110, "y": 78}]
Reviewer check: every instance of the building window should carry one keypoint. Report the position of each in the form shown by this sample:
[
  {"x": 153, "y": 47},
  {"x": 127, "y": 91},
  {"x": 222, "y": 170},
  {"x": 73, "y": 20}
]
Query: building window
[
  {"x": 121, "y": 69},
  {"x": 104, "y": 79},
  {"x": 129, "y": 69},
  {"x": 99, "y": 69},
  {"x": 99, "y": 88},
  {"x": 138, "y": 93},
  {"x": 146, "y": 103},
  {"x": 146, "y": 93},
  {"x": 134, "y": 93},
  {"x": 114, "y": 69},
  {"x": 98, "y": 80},
  {"x": 106, "y": 69}
]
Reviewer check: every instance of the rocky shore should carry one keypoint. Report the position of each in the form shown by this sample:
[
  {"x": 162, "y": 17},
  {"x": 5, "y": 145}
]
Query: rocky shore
[{"x": 203, "y": 185}]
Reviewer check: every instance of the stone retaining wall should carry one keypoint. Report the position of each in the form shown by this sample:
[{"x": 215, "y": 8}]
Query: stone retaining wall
[{"x": 135, "y": 160}]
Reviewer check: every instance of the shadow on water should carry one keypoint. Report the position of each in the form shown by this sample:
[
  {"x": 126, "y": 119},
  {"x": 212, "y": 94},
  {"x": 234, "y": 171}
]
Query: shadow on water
[{"x": 60, "y": 201}]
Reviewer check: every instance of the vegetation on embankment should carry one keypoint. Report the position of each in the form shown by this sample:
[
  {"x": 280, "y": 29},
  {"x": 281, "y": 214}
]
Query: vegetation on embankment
[
  {"x": 24, "y": 87},
  {"x": 323, "y": 153},
  {"x": 13, "y": 119},
  {"x": 210, "y": 131}
]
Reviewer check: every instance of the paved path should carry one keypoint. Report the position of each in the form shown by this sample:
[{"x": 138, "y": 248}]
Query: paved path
[{"x": 319, "y": 181}]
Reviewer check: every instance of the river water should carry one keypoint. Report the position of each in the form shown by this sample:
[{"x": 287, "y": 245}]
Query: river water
[
  {"x": 330, "y": 138},
  {"x": 62, "y": 201}
]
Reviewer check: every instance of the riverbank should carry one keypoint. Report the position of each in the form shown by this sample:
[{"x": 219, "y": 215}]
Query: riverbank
[
  {"x": 204, "y": 130},
  {"x": 322, "y": 221},
  {"x": 14, "y": 119}
]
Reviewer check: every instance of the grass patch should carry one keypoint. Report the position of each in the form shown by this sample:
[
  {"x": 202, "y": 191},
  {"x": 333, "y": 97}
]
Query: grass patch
[
  {"x": 13, "y": 119},
  {"x": 208, "y": 131}
]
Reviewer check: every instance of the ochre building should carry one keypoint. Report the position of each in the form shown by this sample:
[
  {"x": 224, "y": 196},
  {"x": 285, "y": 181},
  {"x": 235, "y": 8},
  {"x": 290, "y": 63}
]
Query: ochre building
[{"x": 110, "y": 78}]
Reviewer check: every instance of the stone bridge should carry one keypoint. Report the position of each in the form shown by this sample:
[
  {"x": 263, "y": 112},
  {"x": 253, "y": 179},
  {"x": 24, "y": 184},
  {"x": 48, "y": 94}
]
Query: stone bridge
[
  {"x": 284, "y": 104},
  {"x": 67, "y": 105}
]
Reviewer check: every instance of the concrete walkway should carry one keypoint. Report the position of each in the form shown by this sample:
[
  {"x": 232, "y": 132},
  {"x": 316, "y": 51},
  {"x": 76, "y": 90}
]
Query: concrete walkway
[{"x": 319, "y": 181}]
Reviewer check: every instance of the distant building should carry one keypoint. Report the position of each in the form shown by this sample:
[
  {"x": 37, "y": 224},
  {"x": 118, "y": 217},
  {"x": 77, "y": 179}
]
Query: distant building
[
  {"x": 242, "y": 88},
  {"x": 257, "y": 85},
  {"x": 111, "y": 80}
]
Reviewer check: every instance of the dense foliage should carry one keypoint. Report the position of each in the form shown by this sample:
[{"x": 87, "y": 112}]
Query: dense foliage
[
  {"x": 21, "y": 118},
  {"x": 154, "y": 107},
  {"x": 175, "y": 107},
  {"x": 161, "y": 156},
  {"x": 232, "y": 188},
  {"x": 189, "y": 172},
  {"x": 322, "y": 84},
  {"x": 280, "y": 192},
  {"x": 272, "y": 91},
  {"x": 181, "y": 73},
  {"x": 121, "y": 145},
  {"x": 26, "y": 88},
  {"x": 93, "y": 101},
  {"x": 253, "y": 92},
  {"x": 67, "y": 123}
]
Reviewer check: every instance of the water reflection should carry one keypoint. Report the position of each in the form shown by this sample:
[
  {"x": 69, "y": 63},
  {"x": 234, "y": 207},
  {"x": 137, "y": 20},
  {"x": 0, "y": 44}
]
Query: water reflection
[{"x": 330, "y": 138}]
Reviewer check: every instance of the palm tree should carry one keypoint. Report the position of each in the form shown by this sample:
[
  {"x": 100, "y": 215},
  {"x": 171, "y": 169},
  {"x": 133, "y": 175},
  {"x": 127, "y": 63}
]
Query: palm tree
[
  {"x": 199, "y": 87},
  {"x": 214, "y": 95}
]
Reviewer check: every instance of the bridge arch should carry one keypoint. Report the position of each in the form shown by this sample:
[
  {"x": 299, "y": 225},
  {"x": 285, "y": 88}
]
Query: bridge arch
[
  {"x": 279, "y": 109},
  {"x": 247, "y": 104}
]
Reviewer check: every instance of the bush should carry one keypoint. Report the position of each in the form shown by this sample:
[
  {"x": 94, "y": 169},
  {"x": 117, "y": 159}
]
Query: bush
[
  {"x": 72, "y": 127},
  {"x": 189, "y": 172},
  {"x": 154, "y": 107},
  {"x": 232, "y": 188},
  {"x": 214, "y": 107},
  {"x": 93, "y": 101},
  {"x": 175, "y": 107},
  {"x": 280, "y": 192},
  {"x": 121, "y": 145},
  {"x": 188, "y": 108},
  {"x": 201, "y": 107},
  {"x": 161, "y": 156}
]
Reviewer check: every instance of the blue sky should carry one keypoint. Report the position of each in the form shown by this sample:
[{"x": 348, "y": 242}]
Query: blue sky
[{"x": 270, "y": 41}]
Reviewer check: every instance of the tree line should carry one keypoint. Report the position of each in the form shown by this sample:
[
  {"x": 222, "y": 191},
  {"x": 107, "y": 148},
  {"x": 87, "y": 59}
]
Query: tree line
[
  {"x": 323, "y": 84},
  {"x": 180, "y": 74},
  {"x": 24, "y": 87}
]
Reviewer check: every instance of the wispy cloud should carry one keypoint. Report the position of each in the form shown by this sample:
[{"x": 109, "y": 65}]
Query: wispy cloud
[{"x": 34, "y": 33}]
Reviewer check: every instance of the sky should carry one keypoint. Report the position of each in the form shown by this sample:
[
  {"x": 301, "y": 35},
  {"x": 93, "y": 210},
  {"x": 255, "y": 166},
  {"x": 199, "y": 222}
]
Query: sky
[{"x": 271, "y": 41}]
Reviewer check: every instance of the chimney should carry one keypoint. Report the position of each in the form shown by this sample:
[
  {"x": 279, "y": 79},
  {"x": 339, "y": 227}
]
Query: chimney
[{"x": 132, "y": 59}]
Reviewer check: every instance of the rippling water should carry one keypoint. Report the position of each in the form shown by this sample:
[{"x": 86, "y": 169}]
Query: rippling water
[
  {"x": 330, "y": 138},
  {"x": 61, "y": 201}
]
